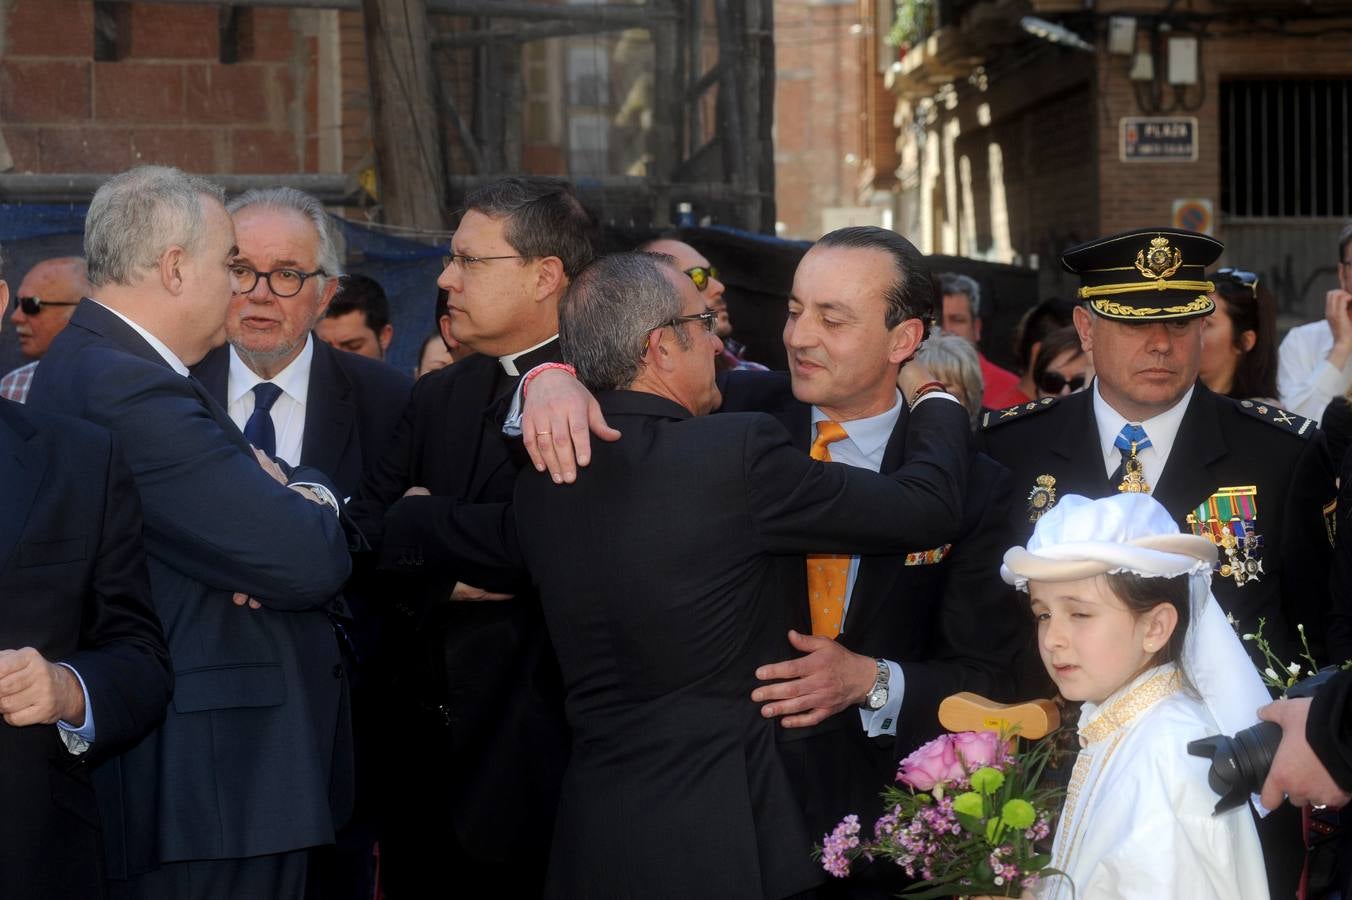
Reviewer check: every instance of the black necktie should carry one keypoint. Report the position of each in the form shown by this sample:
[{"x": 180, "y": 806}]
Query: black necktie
[{"x": 259, "y": 429}]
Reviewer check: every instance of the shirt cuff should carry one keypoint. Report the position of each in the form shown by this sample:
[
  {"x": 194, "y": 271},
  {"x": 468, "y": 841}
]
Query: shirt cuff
[
  {"x": 924, "y": 397},
  {"x": 511, "y": 426},
  {"x": 324, "y": 493},
  {"x": 1328, "y": 383},
  {"x": 78, "y": 739},
  {"x": 877, "y": 722}
]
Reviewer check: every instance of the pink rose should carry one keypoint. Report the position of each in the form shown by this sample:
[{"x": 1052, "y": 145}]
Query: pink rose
[
  {"x": 978, "y": 748},
  {"x": 949, "y": 758},
  {"x": 934, "y": 763}
]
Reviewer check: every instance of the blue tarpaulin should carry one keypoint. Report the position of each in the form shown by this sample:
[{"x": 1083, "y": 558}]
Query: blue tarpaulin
[{"x": 408, "y": 270}]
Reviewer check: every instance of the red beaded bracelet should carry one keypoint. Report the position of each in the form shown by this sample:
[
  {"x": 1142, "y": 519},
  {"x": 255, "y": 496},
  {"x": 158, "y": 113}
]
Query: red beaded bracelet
[
  {"x": 545, "y": 367},
  {"x": 928, "y": 387}
]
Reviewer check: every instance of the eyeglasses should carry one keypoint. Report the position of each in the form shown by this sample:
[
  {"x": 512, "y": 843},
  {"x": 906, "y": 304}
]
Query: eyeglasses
[
  {"x": 31, "y": 306},
  {"x": 1054, "y": 382},
  {"x": 282, "y": 282},
  {"x": 1248, "y": 279},
  {"x": 463, "y": 262},
  {"x": 708, "y": 317},
  {"x": 702, "y": 275}
]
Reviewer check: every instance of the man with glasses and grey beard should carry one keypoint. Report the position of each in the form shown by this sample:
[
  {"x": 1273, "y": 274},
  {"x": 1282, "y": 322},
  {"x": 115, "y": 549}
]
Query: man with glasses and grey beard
[
  {"x": 307, "y": 403},
  {"x": 43, "y": 305}
]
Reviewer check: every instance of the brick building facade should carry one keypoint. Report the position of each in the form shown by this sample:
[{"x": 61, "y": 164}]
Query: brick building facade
[
  {"x": 99, "y": 87},
  {"x": 1011, "y": 144}
]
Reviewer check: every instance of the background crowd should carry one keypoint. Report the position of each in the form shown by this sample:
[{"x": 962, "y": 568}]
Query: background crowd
[{"x": 281, "y": 621}]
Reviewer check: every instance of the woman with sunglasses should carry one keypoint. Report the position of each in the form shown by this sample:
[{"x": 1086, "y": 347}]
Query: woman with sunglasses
[
  {"x": 1239, "y": 339},
  {"x": 1062, "y": 367}
]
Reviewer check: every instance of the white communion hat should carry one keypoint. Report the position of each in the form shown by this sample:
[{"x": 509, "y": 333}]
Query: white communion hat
[{"x": 1080, "y": 538}]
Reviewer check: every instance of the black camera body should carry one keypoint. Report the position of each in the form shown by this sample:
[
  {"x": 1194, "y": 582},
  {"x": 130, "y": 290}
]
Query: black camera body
[{"x": 1240, "y": 763}]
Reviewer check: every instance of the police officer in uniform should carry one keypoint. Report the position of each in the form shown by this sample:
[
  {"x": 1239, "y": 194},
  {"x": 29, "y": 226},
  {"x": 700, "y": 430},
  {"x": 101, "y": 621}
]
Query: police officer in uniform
[{"x": 1223, "y": 468}]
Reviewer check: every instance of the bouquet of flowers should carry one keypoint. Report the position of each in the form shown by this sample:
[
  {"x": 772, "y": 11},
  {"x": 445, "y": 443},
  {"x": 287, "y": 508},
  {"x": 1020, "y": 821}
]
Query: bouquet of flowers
[{"x": 965, "y": 819}]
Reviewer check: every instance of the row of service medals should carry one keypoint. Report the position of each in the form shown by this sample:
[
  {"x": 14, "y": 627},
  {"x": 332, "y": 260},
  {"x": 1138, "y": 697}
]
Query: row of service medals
[{"x": 1229, "y": 518}]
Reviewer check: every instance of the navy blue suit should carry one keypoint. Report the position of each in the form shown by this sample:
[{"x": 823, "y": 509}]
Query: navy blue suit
[
  {"x": 352, "y": 407},
  {"x": 254, "y": 756},
  {"x": 73, "y": 585}
]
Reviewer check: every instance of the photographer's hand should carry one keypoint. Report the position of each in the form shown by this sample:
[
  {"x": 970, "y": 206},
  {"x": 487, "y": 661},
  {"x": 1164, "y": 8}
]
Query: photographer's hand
[{"x": 1296, "y": 773}]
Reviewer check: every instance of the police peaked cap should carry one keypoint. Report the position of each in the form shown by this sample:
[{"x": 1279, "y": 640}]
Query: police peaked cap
[{"x": 1146, "y": 275}]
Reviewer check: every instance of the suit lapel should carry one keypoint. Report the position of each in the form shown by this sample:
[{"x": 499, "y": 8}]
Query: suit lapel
[
  {"x": 470, "y": 395},
  {"x": 877, "y": 574},
  {"x": 22, "y": 465},
  {"x": 1187, "y": 480},
  {"x": 214, "y": 373},
  {"x": 494, "y": 452},
  {"x": 330, "y": 413},
  {"x": 1081, "y": 470}
]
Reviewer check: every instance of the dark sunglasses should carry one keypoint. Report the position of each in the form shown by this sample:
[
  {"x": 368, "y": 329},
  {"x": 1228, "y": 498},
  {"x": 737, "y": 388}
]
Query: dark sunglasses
[
  {"x": 31, "y": 306},
  {"x": 702, "y": 275},
  {"x": 1248, "y": 279},
  {"x": 1053, "y": 382}
]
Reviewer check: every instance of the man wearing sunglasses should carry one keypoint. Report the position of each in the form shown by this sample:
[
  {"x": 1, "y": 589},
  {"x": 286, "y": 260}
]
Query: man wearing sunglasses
[
  {"x": 705, "y": 277},
  {"x": 43, "y": 305}
]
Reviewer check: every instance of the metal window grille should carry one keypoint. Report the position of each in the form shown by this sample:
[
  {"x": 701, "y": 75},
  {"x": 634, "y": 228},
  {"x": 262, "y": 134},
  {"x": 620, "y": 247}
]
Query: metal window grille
[{"x": 1285, "y": 148}]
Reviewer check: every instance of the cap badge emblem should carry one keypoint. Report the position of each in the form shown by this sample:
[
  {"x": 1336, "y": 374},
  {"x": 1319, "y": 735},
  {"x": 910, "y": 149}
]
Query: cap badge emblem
[{"x": 1159, "y": 260}]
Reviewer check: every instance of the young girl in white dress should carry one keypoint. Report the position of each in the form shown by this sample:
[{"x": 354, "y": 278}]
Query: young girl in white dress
[{"x": 1127, "y": 625}]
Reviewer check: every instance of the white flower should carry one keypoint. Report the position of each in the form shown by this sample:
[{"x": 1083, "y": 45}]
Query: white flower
[
  {"x": 1270, "y": 673},
  {"x": 1300, "y": 626},
  {"x": 1230, "y": 617},
  {"x": 1294, "y": 668},
  {"x": 1246, "y": 637}
]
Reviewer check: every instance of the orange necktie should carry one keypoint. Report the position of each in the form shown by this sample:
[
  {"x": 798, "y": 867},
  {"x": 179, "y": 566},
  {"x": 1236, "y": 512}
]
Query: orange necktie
[{"x": 827, "y": 573}]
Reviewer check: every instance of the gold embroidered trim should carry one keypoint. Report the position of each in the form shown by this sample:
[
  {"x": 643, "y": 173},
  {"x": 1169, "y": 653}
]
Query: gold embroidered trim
[
  {"x": 1078, "y": 775},
  {"x": 1159, "y": 284},
  {"x": 1126, "y": 708}
]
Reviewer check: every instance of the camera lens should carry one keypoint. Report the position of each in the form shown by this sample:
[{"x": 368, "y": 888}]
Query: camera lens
[{"x": 1239, "y": 764}]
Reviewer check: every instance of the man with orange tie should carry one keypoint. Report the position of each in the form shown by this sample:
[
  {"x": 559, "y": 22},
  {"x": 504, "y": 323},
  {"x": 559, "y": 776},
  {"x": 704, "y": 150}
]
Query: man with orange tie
[
  {"x": 890, "y": 636},
  {"x": 697, "y": 554}
]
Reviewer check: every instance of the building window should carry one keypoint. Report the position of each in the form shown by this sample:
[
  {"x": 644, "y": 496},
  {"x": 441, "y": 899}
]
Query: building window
[
  {"x": 1284, "y": 148},
  {"x": 112, "y": 31},
  {"x": 236, "y": 33}
]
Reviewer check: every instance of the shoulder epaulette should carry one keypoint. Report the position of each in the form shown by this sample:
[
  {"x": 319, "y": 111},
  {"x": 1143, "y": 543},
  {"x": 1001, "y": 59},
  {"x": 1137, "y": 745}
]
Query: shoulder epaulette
[
  {"x": 1275, "y": 415},
  {"x": 993, "y": 417}
]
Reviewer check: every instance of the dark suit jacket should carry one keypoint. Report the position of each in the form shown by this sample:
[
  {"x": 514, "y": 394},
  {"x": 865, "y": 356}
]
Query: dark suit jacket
[
  {"x": 73, "y": 585},
  {"x": 952, "y": 626},
  {"x": 254, "y": 755},
  {"x": 664, "y": 576},
  {"x": 352, "y": 407},
  {"x": 484, "y": 671},
  {"x": 1220, "y": 443}
]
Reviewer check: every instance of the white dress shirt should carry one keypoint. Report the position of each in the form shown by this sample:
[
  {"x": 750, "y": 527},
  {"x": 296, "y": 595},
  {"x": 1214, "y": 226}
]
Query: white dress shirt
[
  {"x": 863, "y": 447},
  {"x": 288, "y": 412},
  {"x": 1161, "y": 429},
  {"x": 155, "y": 343},
  {"x": 1306, "y": 380}
]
